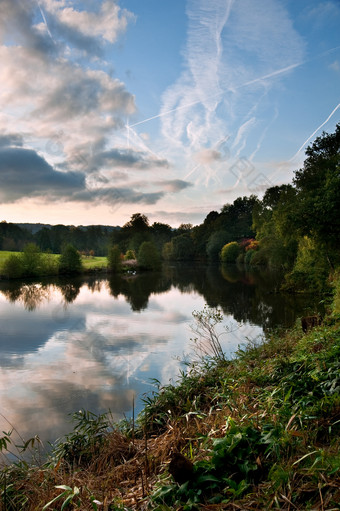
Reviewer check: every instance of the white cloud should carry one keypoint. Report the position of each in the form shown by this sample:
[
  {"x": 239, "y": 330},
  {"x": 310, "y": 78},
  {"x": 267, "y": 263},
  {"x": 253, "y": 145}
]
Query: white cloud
[
  {"x": 108, "y": 22},
  {"x": 234, "y": 54}
]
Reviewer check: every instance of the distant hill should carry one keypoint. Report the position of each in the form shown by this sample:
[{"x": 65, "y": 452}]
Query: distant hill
[{"x": 34, "y": 228}]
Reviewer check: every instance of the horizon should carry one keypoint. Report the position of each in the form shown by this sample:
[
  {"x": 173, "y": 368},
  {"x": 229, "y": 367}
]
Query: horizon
[{"x": 173, "y": 110}]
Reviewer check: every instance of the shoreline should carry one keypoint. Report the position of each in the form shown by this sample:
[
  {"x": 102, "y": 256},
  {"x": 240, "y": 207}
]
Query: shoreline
[{"x": 262, "y": 428}]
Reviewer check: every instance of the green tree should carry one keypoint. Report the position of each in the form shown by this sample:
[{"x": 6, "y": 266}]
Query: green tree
[
  {"x": 215, "y": 243},
  {"x": 70, "y": 260},
  {"x": 148, "y": 256},
  {"x": 229, "y": 252},
  {"x": 12, "y": 267},
  {"x": 130, "y": 254},
  {"x": 31, "y": 260},
  {"x": 318, "y": 187},
  {"x": 114, "y": 259}
]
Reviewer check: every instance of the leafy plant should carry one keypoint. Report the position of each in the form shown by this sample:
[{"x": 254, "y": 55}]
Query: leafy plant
[
  {"x": 89, "y": 431},
  {"x": 70, "y": 495}
]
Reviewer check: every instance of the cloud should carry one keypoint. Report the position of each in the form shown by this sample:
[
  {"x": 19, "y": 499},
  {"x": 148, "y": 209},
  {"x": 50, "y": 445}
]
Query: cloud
[
  {"x": 235, "y": 52},
  {"x": 11, "y": 139},
  {"x": 24, "y": 173},
  {"x": 173, "y": 185},
  {"x": 106, "y": 23},
  {"x": 207, "y": 156},
  {"x": 335, "y": 66},
  {"x": 53, "y": 100},
  {"x": 116, "y": 195},
  {"x": 127, "y": 158},
  {"x": 17, "y": 24}
]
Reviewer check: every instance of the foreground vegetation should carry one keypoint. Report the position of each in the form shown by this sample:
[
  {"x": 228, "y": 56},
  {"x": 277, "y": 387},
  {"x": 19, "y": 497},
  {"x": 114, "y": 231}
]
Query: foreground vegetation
[{"x": 257, "y": 432}]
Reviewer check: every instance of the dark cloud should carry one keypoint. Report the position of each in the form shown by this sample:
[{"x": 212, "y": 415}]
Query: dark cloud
[
  {"x": 116, "y": 195},
  {"x": 174, "y": 185},
  {"x": 127, "y": 158},
  {"x": 23, "y": 173},
  {"x": 17, "y": 22},
  {"x": 11, "y": 139}
]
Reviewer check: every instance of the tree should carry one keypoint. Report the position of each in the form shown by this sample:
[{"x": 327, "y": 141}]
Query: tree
[
  {"x": 182, "y": 247},
  {"x": 31, "y": 259},
  {"x": 229, "y": 252},
  {"x": 70, "y": 260},
  {"x": 12, "y": 267},
  {"x": 318, "y": 187},
  {"x": 215, "y": 243},
  {"x": 137, "y": 223},
  {"x": 114, "y": 259},
  {"x": 148, "y": 256}
]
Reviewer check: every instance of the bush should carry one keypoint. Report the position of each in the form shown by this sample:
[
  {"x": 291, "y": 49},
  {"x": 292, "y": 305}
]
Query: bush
[
  {"x": 249, "y": 256},
  {"x": 114, "y": 259},
  {"x": 311, "y": 268},
  {"x": 148, "y": 256},
  {"x": 31, "y": 260},
  {"x": 130, "y": 254},
  {"x": 229, "y": 252},
  {"x": 70, "y": 260},
  {"x": 12, "y": 267}
]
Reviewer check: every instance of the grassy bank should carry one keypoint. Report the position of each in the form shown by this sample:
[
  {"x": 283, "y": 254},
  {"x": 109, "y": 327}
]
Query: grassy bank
[
  {"x": 48, "y": 263},
  {"x": 255, "y": 433}
]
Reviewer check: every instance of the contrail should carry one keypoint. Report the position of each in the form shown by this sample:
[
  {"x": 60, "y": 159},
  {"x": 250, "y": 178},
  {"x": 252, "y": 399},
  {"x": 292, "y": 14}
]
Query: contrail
[
  {"x": 264, "y": 77},
  {"x": 169, "y": 112},
  {"x": 274, "y": 73},
  {"x": 314, "y": 132},
  {"x": 43, "y": 17}
]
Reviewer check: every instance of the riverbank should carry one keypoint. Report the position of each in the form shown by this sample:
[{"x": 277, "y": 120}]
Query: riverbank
[
  {"x": 47, "y": 265},
  {"x": 259, "y": 432}
]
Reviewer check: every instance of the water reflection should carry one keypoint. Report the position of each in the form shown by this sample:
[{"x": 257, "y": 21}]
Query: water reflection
[{"x": 94, "y": 343}]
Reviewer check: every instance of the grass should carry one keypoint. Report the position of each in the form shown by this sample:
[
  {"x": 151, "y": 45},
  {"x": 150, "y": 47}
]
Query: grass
[
  {"x": 261, "y": 431},
  {"x": 90, "y": 263}
]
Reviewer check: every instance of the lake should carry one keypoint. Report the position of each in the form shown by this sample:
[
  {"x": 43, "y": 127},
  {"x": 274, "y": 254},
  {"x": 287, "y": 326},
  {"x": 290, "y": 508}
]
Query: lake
[{"x": 96, "y": 343}]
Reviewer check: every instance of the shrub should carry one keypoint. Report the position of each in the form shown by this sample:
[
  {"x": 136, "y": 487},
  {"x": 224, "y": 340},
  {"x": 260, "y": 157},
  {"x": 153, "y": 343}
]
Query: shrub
[
  {"x": 31, "y": 260},
  {"x": 311, "y": 268},
  {"x": 148, "y": 256},
  {"x": 114, "y": 259},
  {"x": 229, "y": 252},
  {"x": 130, "y": 254},
  {"x": 249, "y": 256},
  {"x": 70, "y": 260},
  {"x": 12, "y": 267}
]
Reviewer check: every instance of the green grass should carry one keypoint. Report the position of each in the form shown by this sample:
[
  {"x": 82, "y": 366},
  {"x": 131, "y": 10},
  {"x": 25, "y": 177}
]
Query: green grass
[
  {"x": 94, "y": 262},
  {"x": 89, "y": 263}
]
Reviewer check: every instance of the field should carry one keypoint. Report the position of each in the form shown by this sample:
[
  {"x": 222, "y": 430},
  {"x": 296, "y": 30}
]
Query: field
[
  {"x": 87, "y": 262},
  {"x": 94, "y": 262}
]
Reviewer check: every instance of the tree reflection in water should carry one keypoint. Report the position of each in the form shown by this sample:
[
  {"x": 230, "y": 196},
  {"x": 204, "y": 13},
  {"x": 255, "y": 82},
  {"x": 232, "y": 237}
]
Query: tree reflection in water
[{"x": 249, "y": 296}]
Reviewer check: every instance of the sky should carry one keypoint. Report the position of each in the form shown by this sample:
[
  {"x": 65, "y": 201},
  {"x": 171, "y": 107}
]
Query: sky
[{"x": 167, "y": 108}]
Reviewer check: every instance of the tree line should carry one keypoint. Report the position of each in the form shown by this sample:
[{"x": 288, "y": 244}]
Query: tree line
[{"x": 295, "y": 227}]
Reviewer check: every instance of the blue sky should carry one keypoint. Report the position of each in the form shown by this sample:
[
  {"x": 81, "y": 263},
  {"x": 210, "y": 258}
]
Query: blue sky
[{"x": 171, "y": 109}]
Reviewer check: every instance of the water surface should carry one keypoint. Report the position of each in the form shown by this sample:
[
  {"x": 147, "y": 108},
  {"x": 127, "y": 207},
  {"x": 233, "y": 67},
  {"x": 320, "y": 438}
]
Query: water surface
[{"x": 95, "y": 343}]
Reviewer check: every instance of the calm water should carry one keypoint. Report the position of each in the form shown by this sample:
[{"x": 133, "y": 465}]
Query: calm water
[{"x": 95, "y": 343}]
